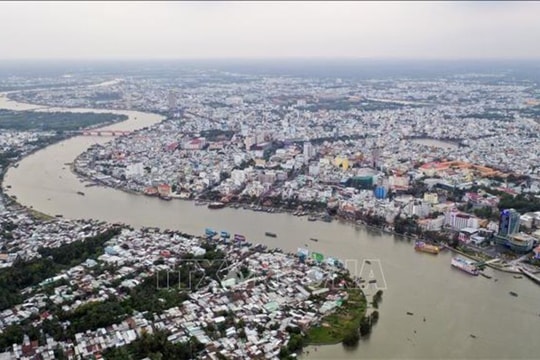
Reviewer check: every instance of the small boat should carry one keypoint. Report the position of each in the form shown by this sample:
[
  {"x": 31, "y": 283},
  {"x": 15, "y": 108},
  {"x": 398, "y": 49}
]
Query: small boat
[
  {"x": 486, "y": 276},
  {"x": 216, "y": 205},
  {"x": 209, "y": 232},
  {"x": 513, "y": 293},
  {"x": 312, "y": 218},
  {"x": 239, "y": 237},
  {"x": 368, "y": 262},
  {"x": 225, "y": 235},
  {"x": 59, "y": 215},
  {"x": 270, "y": 234},
  {"x": 313, "y": 239},
  {"x": 473, "y": 336},
  {"x": 372, "y": 281},
  {"x": 410, "y": 313},
  {"x": 80, "y": 193},
  {"x": 518, "y": 277},
  {"x": 165, "y": 197}
]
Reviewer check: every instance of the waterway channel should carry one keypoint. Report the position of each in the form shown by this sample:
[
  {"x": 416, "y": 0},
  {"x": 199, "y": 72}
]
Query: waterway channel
[{"x": 448, "y": 305}]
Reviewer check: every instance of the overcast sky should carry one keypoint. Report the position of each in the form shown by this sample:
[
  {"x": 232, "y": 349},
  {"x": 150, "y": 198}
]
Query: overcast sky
[{"x": 269, "y": 29}]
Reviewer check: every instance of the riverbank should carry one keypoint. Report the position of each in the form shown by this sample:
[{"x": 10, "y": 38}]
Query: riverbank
[
  {"x": 302, "y": 210},
  {"x": 480, "y": 260}
]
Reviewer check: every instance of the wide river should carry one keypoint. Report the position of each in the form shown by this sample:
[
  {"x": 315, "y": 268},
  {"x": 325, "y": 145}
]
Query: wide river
[{"x": 448, "y": 305}]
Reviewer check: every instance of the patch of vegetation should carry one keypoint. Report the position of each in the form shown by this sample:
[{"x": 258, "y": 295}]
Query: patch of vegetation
[
  {"x": 342, "y": 323},
  {"x": 53, "y": 121}
]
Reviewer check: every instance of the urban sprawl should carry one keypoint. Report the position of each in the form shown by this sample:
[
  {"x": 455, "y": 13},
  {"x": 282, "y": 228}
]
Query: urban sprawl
[{"x": 450, "y": 161}]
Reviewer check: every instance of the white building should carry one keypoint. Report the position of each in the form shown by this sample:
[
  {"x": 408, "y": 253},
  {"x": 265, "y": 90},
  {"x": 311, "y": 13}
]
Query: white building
[{"x": 308, "y": 151}]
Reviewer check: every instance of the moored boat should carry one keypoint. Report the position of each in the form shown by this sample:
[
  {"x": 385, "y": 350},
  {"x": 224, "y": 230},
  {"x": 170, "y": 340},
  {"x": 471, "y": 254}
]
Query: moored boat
[
  {"x": 428, "y": 248},
  {"x": 209, "y": 232},
  {"x": 270, "y": 234},
  {"x": 225, "y": 235},
  {"x": 464, "y": 264},
  {"x": 216, "y": 205},
  {"x": 238, "y": 237}
]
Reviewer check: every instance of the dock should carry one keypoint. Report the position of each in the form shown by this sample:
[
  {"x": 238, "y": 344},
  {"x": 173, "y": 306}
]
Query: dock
[{"x": 530, "y": 275}]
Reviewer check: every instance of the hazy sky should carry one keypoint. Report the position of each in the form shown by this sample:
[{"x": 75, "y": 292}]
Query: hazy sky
[{"x": 269, "y": 29}]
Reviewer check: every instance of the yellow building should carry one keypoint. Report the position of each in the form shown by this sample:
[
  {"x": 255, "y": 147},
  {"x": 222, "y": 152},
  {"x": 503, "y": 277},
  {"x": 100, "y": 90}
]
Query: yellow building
[
  {"x": 341, "y": 162},
  {"x": 431, "y": 198}
]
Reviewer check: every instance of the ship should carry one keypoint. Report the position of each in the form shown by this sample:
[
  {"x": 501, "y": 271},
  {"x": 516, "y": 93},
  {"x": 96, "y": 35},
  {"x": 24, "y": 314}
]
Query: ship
[
  {"x": 271, "y": 234},
  {"x": 466, "y": 265},
  {"x": 216, "y": 205},
  {"x": 422, "y": 246}
]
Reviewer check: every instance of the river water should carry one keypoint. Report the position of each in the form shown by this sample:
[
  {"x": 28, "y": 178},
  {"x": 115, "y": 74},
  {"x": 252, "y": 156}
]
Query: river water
[
  {"x": 448, "y": 305},
  {"x": 436, "y": 143}
]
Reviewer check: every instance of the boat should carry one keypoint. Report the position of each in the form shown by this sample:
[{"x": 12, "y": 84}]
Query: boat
[
  {"x": 313, "y": 239},
  {"x": 464, "y": 264},
  {"x": 80, "y": 193},
  {"x": 216, "y": 205},
  {"x": 225, "y": 235},
  {"x": 270, "y": 234},
  {"x": 513, "y": 293},
  {"x": 238, "y": 237},
  {"x": 59, "y": 215},
  {"x": 410, "y": 313},
  {"x": 209, "y": 232},
  {"x": 312, "y": 218},
  {"x": 486, "y": 276},
  {"x": 200, "y": 203},
  {"x": 165, "y": 197},
  {"x": 428, "y": 248}
]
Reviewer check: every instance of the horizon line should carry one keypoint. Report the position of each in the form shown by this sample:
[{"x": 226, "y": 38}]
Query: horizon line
[{"x": 280, "y": 58}]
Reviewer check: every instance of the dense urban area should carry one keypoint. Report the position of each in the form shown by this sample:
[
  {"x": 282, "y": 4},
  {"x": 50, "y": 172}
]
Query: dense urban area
[{"x": 450, "y": 161}]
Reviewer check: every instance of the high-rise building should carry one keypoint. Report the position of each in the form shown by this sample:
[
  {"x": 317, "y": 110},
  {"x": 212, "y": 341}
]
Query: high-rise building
[
  {"x": 509, "y": 222},
  {"x": 308, "y": 151},
  {"x": 375, "y": 155},
  {"x": 172, "y": 100}
]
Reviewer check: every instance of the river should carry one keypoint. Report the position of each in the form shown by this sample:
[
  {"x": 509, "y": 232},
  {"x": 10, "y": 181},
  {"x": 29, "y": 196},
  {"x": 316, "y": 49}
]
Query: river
[
  {"x": 454, "y": 304},
  {"x": 436, "y": 143}
]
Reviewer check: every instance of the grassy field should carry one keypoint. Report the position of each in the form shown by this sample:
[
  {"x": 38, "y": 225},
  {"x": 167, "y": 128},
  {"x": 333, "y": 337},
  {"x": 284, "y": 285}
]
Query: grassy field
[{"x": 335, "y": 325}]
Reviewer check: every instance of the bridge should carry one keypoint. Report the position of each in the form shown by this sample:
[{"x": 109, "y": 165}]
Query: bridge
[{"x": 102, "y": 132}]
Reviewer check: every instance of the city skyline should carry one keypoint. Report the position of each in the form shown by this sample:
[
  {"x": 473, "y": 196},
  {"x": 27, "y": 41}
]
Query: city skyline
[{"x": 193, "y": 30}]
